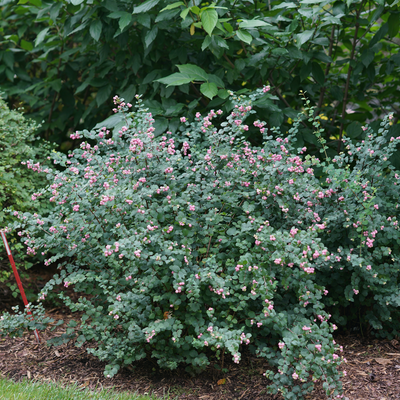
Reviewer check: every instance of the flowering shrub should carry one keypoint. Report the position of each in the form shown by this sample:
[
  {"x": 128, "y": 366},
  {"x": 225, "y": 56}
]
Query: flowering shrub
[{"x": 191, "y": 250}]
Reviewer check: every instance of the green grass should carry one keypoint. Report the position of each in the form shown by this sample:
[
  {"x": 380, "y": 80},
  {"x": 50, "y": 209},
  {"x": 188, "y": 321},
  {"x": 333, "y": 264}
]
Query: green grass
[{"x": 28, "y": 390}]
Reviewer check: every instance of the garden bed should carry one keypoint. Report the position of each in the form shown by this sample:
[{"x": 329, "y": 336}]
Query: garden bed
[{"x": 373, "y": 370}]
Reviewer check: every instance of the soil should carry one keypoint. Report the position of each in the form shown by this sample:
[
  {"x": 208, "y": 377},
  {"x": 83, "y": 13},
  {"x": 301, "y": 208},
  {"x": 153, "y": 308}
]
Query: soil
[{"x": 373, "y": 368}]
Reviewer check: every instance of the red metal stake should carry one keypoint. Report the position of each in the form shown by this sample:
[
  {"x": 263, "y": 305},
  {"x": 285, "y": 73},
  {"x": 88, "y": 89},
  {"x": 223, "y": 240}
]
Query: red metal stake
[{"x": 21, "y": 289}]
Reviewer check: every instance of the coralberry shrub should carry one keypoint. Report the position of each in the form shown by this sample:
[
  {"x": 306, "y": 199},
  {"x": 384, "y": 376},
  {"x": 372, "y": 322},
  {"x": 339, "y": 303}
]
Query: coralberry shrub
[{"x": 189, "y": 250}]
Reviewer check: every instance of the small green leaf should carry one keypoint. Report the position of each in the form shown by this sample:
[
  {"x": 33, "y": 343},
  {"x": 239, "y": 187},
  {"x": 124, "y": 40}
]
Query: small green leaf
[
  {"x": 184, "y": 13},
  {"x": 220, "y": 42},
  {"x": 26, "y": 45},
  {"x": 195, "y": 10},
  {"x": 173, "y": 5},
  {"x": 223, "y": 94},
  {"x": 76, "y": 2},
  {"x": 14, "y": 38},
  {"x": 216, "y": 79},
  {"x": 304, "y": 37},
  {"x": 146, "y": 6},
  {"x": 206, "y": 42},
  {"x": 124, "y": 21},
  {"x": 95, "y": 29},
  {"x": 8, "y": 59},
  {"x": 393, "y": 23},
  {"x": 367, "y": 57},
  {"x": 228, "y": 27},
  {"x": 318, "y": 73},
  {"x": 150, "y": 36},
  {"x": 209, "y": 19},
  {"x": 209, "y": 89},
  {"x": 244, "y": 36},
  {"x": 354, "y": 130},
  {"x": 287, "y": 6},
  {"x": 252, "y": 23},
  {"x": 103, "y": 94},
  {"x": 41, "y": 36}
]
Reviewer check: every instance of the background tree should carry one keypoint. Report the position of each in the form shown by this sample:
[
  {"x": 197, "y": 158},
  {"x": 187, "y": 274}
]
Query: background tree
[{"x": 65, "y": 59}]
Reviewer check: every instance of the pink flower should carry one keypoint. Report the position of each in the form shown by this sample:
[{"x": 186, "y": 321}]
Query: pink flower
[
  {"x": 281, "y": 345},
  {"x": 295, "y": 376},
  {"x": 183, "y": 119},
  {"x": 76, "y": 207}
]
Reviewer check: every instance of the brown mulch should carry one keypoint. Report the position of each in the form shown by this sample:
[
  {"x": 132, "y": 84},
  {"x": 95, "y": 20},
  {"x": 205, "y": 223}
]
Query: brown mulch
[{"x": 373, "y": 370}]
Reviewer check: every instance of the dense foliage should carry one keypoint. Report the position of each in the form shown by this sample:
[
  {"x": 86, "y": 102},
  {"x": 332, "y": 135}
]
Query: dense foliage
[
  {"x": 194, "y": 245},
  {"x": 17, "y": 183},
  {"x": 65, "y": 58}
]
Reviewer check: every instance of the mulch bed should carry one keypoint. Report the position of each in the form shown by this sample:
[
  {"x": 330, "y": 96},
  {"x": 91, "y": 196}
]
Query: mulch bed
[
  {"x": 373, "y": 370},
  {"x": 373, "y": 366}
]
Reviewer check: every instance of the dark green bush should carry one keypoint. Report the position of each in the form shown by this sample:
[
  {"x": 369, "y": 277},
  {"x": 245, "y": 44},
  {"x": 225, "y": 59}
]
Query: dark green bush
[{"x": 17, "y": 182}]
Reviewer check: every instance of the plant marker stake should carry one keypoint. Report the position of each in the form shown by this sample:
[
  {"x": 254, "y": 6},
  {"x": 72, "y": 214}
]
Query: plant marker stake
[{"x": 21, "y": 289}]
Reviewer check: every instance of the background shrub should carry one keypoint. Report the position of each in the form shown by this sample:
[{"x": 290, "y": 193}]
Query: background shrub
[
  {"x": 191, "y": 249},
  {"x": 17, "y": 182},
  {"x": 65, "y": 59}
]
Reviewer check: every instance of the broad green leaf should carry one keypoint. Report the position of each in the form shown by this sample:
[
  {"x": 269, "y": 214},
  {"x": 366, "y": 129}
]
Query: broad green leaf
[
  {"x": 184, "y": 13},
  {"x": 173, "y": 5},
  {"x": 354, "y": 130},
  {"x": 220, "y": 42},
  {"x": 304, "y": 37},
  {"x": 146, "y": 6},
  {"x": 175, "y": 79},
  {"x": 116, "y": 14},
  {"x": 252, "y": 23},
  {"x": 160, "y": 125},
  {"x": 209, "y": 19},
  {"x": 144, "y": 19},
  {"x": 244, "y": 36},
  {"x": 288, "y": 6},
  {"x": 378, "y": 12},
  {"x": 166, "y": 15},
  {"x": 195, "y": 10},
  {"x": 150, "y": 36},
  {"x": 318, "y": 73},
  {"x": 76, "y": 2},
  {"x": 41, "y": 36},
  {"x": 196, "y": 73},
  {"x": 209, "y": 89},
  {"x": 228, "y": 27},
  {"x": 223, "y": 93},
  {"x": 82, "y": 86},
  {"x": 103, "y": 94},
  {"x": 128, "y": 93},
  {"x": 124, "y": 21},
  {"x": 393, "y": 23},
  {"x": 217, "y": 80},
  {"x": 8, "y": 59},
  {"x": 37, "y": 3},
  {"x": 367, "y": 57},
  {"x": 110, "y": 122},
  {"x": 95, "y": 29},
  {"x": 206, "y": 42},
  {"x": 26, "y": 45}
]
